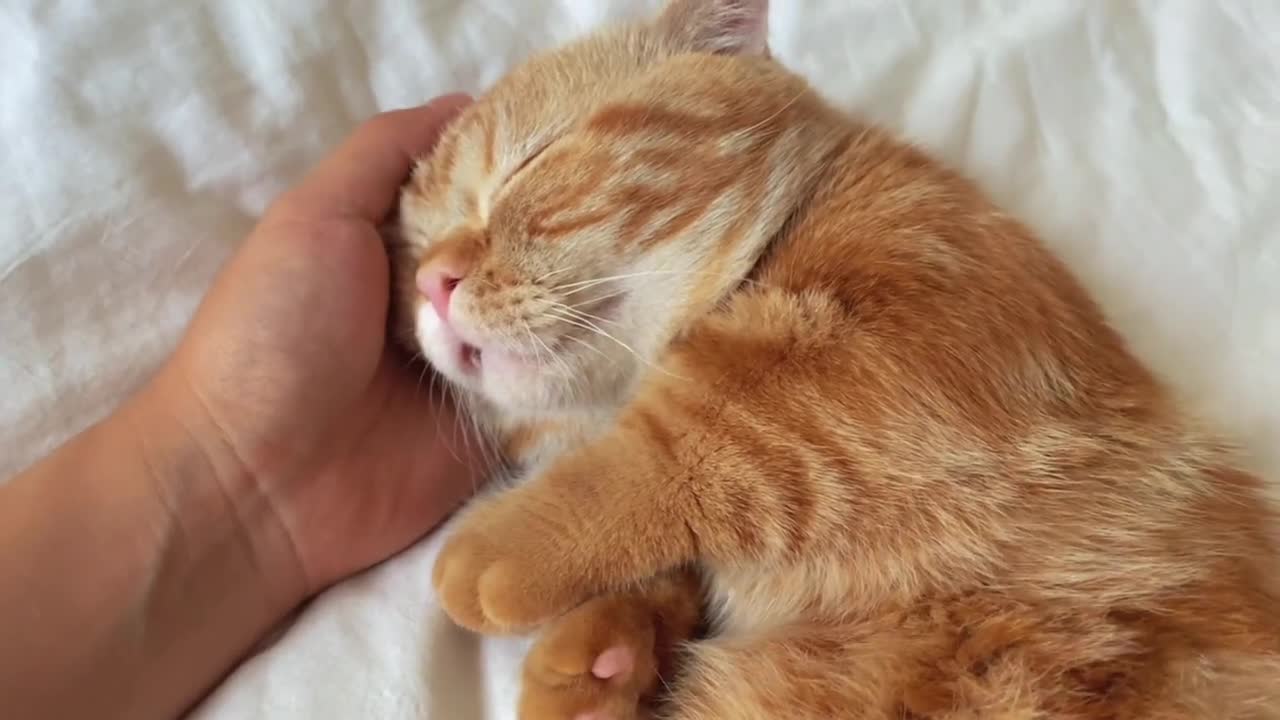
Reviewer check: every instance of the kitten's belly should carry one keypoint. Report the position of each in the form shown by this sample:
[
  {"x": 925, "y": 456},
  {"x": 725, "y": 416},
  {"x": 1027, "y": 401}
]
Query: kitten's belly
[{"x": 749, "y": 600}]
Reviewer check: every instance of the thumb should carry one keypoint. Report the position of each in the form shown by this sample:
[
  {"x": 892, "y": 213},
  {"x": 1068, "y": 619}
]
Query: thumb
[{"x": 362, "y": 177}]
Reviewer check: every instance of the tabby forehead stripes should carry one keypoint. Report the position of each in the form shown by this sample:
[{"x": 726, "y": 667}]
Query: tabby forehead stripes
[{"x": 657, "y": 191}]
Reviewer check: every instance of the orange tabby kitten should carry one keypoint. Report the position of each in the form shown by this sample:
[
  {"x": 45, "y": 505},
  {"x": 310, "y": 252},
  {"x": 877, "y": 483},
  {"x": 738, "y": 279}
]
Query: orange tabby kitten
[{"x": 768, "y": 366}]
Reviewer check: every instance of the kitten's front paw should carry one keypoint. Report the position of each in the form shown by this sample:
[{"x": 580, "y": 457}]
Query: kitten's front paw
[
  {"x": 505, "y": 570},
  {"x": 596, "y": 663}
]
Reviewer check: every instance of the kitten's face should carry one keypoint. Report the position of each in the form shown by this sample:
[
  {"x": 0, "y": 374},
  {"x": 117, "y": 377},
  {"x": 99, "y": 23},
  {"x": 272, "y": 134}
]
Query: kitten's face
[{"x": 544, "y": 253}]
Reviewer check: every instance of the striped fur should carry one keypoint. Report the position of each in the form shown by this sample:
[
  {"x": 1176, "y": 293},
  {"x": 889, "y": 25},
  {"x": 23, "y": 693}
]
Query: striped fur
[{"x": 771, "y": 368}]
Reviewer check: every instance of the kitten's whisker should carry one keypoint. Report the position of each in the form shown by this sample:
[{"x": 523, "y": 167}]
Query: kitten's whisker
[
  {"x": 551, "y": 354},
  {"x": 601, "y": 298},
  {"x": 623, "y": 276},
  {"x": 483, "y": 449},
  {"x": 591, "y": 347},
  {"x": 577, "y": 287},
  {"x": 640, "y": 273},
  {"x": 464, "y": 418},
  {"x": 490, "y": 455},
  {"x": 592, "y": 327},
  {"x": 431, "y": 393},
  {"x": 450, "y": 446},
  {"x": 581, "y": 314},
  {"x": 537, "y": 353},
  {"x": 548, "y": 275},
  {"x": 449, "y": 397},
  {"x": 443, "y": 383},
  {"x": 417, "y": 356}
]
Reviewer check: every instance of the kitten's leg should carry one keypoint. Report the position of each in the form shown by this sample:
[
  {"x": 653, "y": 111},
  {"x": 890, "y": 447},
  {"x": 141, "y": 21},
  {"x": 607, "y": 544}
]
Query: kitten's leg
[
  {"x": 611, "y": 655},
  {"x": 740, "y": 452},
  {"x": 877, "y": 668},
  {"x": 975, "y": 656},
  {"x": 663, "y": 488},
  {"x": 599, "y": 519},
  {"x": 802, "y": 671}
]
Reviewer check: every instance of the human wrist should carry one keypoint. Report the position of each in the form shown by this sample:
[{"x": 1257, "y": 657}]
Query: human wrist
[
  {"x": 134, "y": 540},
  {"x": 204, "y": 487}
]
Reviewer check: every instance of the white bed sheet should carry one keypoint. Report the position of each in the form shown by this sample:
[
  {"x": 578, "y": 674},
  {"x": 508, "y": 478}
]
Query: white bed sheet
[{"x": 139, "y": 139}]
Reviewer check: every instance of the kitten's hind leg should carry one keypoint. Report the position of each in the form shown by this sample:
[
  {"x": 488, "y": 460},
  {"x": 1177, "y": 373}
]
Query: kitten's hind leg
[
  {"x": 608, "y": 658},
  {"x": 801, "y": 671}
]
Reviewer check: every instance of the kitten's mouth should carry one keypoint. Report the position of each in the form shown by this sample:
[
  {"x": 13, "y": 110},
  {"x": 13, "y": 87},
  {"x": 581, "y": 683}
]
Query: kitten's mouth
[
  {"x": 472, "y": 359},
  {"x": 469, "y": 357}
]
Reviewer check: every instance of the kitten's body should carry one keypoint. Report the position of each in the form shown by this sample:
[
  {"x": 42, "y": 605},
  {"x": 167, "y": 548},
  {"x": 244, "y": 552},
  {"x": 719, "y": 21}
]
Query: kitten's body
[{"x": 920, "y": 475}]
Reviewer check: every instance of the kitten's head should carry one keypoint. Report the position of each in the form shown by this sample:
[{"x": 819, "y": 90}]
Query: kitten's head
[{"x": 575, "y": 217}]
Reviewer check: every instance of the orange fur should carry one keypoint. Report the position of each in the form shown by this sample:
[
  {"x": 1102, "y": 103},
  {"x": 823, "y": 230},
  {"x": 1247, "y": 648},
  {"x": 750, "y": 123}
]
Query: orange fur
[{"x": 722, "y": 325}]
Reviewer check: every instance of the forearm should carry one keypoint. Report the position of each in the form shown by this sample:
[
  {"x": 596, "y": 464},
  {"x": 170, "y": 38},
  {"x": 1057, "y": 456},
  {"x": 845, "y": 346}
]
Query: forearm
[{"x": 159, "y": 588}]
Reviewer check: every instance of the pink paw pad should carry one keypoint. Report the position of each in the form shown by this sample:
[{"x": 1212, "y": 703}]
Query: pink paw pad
[{"x": 616, "y": 662}]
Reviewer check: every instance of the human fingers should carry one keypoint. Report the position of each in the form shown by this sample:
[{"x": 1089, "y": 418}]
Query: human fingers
[{"x": 361, "y": 178}]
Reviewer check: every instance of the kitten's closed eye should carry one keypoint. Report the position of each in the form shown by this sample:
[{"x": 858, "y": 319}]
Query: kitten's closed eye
[{"x": 552, "y": 278}]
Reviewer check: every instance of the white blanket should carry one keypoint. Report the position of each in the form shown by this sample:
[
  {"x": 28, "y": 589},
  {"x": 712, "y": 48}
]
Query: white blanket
[{"x": 140, "y": 138}]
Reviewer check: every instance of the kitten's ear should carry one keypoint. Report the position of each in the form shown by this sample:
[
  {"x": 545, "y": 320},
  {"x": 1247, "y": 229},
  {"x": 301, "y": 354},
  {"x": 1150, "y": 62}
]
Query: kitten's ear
[{"x": 724, "y": 27}]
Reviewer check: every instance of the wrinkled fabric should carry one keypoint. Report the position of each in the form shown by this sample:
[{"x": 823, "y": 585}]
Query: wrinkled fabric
[{"x": 141, "y": 138}]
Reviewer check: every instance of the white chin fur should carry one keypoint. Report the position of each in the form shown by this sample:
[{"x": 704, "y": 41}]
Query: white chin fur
[
  {"x": 577, "y": 381},
  {"x": 503, "y": 382},
  {"x": 430, "y": 334}
]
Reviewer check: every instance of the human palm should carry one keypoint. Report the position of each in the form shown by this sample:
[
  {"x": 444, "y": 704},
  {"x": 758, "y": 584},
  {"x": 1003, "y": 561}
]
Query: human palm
[{"x": 288, "y": 357}]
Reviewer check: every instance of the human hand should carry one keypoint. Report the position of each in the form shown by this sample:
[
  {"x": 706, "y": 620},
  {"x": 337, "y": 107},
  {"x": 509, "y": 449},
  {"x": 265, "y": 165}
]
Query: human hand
[{"x": 286, "y": 379}]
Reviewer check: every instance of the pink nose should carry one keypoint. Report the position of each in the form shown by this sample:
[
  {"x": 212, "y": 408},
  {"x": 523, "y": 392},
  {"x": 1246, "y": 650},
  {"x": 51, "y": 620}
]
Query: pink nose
[{"x": 438, "y": 283}]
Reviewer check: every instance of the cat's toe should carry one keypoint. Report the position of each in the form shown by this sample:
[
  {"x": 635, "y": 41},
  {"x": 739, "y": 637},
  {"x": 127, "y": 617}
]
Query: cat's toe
[
  {"x": 596, "y": 663},
  {"x": 616, "y": 662},
  {"x": 584, "y": 696},
  {"x": 496, "y": 587}
]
